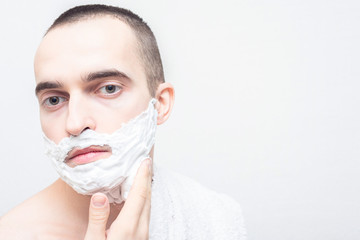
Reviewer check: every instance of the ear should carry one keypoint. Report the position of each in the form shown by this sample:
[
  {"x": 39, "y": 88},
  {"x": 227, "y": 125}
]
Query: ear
[{"x": 165, "y": 95}]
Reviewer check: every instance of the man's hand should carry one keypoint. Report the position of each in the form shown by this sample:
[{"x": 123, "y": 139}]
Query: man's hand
[{"x": 134, "y": 218}]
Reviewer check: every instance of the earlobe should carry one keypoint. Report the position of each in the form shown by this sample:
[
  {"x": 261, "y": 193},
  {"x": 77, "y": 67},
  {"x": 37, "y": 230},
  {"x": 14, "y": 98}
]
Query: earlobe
[{"x": 165, "y": 95}]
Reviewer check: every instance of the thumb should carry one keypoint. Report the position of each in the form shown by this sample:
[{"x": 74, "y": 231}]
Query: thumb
[{"x": 98, "y": 215}]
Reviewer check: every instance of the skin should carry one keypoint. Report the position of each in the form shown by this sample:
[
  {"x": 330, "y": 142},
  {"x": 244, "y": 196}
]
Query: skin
[{"x": 90, "y": 77}]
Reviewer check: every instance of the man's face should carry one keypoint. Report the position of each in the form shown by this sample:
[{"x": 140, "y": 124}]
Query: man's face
[{"x": 89, "y": 75}]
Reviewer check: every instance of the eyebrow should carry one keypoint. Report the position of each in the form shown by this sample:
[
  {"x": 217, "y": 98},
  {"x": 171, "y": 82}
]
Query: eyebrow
[
  {"x": 46, "y": 85},
  {"x": 89, "y": 77},
  {"x": 104, "y": 74}
]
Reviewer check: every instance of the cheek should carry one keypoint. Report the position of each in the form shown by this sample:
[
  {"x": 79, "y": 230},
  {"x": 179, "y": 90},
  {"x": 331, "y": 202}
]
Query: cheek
[
  {"x": 109, "y": 120},
  {"x": 52, "y": 126},
  {"x": 112, "y": 115}
]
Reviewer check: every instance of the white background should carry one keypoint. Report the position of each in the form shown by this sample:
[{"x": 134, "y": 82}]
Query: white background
[{"x": 267, "y": 107}]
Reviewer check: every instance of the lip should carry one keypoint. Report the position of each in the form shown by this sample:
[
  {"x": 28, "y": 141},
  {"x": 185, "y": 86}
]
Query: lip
[{"x": 90, "y": 154}]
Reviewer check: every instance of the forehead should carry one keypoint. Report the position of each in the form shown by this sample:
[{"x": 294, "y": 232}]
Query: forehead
[{"x": 100, "y": 42}]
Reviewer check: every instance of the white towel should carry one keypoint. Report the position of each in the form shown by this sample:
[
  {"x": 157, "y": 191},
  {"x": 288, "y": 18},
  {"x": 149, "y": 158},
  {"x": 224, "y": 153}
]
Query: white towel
[{"x": 183, "y": 209}]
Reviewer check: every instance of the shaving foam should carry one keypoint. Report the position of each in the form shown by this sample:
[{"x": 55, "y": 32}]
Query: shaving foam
[{"x": 113, "y": 176}]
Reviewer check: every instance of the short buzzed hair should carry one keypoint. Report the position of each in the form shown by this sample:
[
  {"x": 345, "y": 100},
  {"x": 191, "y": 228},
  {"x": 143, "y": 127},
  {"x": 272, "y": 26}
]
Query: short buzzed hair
[{"x": 149, "y": 53}]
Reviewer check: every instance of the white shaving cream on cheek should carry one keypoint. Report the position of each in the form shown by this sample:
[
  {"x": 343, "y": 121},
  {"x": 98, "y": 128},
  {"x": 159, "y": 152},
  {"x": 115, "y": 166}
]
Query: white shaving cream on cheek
[{"x": 113, "y": 176}]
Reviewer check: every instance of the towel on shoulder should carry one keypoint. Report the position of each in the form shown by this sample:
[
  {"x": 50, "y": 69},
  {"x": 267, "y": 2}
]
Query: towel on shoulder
[{"x": 183, "y": 209}]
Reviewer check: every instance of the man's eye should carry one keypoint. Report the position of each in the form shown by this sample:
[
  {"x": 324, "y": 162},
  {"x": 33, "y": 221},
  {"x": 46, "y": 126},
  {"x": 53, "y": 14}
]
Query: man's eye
[
  {"x": 110, "y": 89},
  {"x": 54, "y": 100}
]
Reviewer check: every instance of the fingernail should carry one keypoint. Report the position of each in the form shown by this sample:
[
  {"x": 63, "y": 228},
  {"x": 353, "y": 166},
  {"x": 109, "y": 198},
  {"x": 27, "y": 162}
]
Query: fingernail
[{"x": 98, "y": 200}]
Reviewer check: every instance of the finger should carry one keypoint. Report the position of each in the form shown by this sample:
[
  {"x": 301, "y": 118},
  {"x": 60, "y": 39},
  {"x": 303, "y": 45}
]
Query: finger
[
  {"x": 139, "y": 194},
  {"x": 98, "y": 215},
  {"x": 145, "y": 217}
]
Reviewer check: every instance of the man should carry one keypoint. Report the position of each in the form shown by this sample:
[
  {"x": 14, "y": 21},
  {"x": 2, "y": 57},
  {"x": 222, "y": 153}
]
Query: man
[{"x": 97, "y": 68}]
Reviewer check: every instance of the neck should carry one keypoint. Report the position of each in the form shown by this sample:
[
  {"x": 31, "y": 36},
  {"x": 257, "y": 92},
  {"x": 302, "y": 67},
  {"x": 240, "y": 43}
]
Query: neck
[{"x": 77, "y": 205}]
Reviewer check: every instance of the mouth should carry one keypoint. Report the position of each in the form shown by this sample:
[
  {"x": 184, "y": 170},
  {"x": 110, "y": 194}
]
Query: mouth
[{"x": 87, "y": 155}]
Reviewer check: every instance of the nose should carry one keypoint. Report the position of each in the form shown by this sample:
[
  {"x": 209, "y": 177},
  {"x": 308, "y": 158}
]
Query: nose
[{"x": 79, "y": 117}]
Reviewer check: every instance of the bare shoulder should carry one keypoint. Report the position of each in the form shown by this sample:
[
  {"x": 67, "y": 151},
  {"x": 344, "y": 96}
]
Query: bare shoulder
[
  {"x": 14, "y": 224},
  {"x": 39, "y": 217},
  {"x": 22, "y": 222}
]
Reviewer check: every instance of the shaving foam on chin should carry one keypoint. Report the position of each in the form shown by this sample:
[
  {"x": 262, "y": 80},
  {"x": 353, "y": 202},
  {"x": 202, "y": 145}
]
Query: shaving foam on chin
[{"x": 113, "y": 176}]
